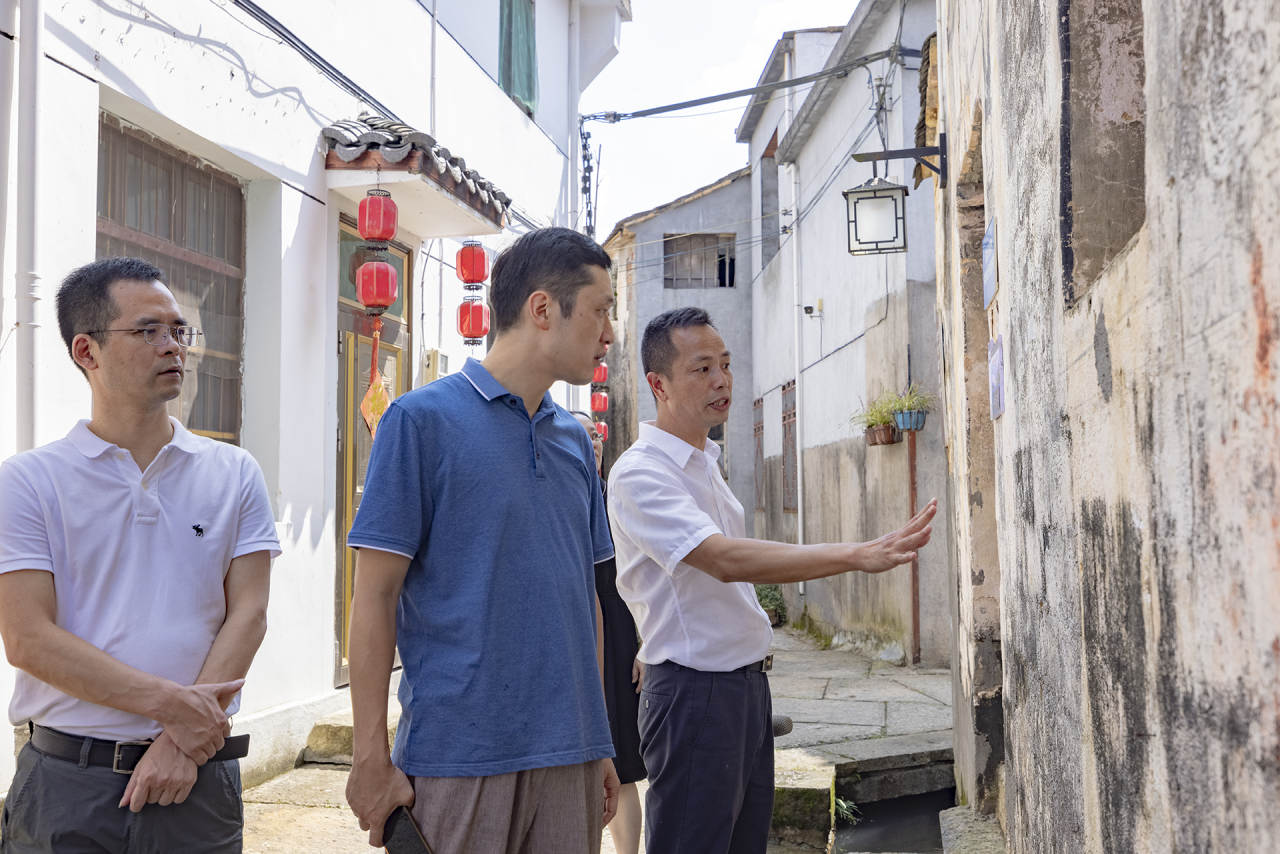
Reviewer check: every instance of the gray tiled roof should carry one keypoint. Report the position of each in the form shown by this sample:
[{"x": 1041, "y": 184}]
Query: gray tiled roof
[{"x": 351, "y": 138}]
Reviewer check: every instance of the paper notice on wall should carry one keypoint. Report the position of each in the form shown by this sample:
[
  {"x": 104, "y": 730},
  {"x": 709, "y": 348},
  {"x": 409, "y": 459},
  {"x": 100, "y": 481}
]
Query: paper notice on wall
[
  {"x": 990, "y": 276},
  {"x": 995, "y": 375}
]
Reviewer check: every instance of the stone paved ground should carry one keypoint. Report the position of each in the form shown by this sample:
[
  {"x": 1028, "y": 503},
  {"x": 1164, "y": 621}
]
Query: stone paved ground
[{"x": 846, "y": 708}]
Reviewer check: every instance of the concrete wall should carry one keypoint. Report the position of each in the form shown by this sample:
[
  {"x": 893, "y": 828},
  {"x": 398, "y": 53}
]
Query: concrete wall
[
  {"x": 723, "y": 210},
  {"x": 1134, "y": 466},
  {"x": 873, "y": 328},
  {"x": 213, "y": 83}
]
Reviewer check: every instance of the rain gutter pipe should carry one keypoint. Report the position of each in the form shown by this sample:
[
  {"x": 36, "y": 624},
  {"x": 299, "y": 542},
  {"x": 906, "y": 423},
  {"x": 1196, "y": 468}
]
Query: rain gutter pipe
[
  {"x": 797, "y": 315},
  {"x": 27, "y": 275}
]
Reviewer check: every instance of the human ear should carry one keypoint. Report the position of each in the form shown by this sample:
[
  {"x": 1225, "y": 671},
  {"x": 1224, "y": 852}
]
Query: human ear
[
  {"x": 657, "y": 385},
  {"x": 539, "y": 308},
  {"x": 84, "y": 351}
]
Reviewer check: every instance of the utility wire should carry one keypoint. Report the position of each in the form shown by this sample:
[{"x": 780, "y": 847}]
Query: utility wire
[{"x": 613, "y": 117}]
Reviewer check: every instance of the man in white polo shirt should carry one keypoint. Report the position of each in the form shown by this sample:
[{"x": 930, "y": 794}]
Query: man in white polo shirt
[
  {"x": 134, "y": 564},
  {"x": 685, "y": 569}
]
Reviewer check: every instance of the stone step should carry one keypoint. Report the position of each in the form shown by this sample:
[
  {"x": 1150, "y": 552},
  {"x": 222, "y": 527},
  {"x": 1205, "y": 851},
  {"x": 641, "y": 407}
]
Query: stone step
[
  {"x": 877, "y": 769},
  {"x": 331, "y": 738},
  {"x": 967, "y": 832}
]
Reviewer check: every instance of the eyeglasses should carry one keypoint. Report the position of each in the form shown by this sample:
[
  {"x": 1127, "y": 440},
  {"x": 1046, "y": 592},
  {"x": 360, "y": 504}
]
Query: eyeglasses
[{"x": 159, "y": 334}]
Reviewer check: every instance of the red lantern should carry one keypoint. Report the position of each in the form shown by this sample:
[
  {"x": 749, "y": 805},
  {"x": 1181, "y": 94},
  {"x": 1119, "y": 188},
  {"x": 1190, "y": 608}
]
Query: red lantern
[
  {"x": 600, "y": 401},
  {"x": 601, "y": 375},
  {"x": 376, "y": 285},
  {"x": 473, "y": 321},
  {"x": 377, "y": 218},
  {"x": 472, "y": 263},
  {"x": 602, "y": 430}
]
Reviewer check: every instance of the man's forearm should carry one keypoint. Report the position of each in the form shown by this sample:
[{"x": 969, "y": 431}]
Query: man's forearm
[
  {"x": 247, "y": 585},
  {"x": 766, "y": 562},
  {"x": 372, "y": 653},
  {"x": 234, "y": 647},
  {"x": 76, "y": 667}
]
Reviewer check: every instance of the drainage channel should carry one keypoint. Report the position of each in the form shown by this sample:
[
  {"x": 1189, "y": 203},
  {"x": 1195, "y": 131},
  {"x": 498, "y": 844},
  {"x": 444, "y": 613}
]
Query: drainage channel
[{"x": 903, "y": 824}]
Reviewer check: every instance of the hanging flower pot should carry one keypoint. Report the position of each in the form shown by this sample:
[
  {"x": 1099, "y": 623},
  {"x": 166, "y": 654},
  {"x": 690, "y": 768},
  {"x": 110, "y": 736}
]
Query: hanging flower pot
[
  {"x": 911, "y": 419},
  {"x": 910, "y": 407},
  {"x": 873, "y": 438},
  {"x": 887, "y": 434}
]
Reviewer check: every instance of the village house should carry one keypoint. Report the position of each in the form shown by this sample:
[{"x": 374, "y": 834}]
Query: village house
[{"x": 231, "y": 144}]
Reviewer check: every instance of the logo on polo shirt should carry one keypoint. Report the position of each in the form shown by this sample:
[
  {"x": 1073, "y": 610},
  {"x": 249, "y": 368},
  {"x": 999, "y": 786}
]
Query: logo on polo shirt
[{"x": 198, "y": 529}]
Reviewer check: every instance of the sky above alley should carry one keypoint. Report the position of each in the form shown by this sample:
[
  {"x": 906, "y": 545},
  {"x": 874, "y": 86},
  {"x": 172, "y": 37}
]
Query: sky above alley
[{"x": 678, "y": 50}]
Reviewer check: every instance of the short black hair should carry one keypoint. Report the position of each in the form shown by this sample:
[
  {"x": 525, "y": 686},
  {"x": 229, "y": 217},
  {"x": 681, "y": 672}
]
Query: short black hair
[
  {"x": 554, "y": 260},
  {"x": 656, "y": 350},
  {"x": 84, "y": 299}
]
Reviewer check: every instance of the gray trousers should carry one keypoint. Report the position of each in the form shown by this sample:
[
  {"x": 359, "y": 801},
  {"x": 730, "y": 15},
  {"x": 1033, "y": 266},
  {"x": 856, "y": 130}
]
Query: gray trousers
[
  {"x": 56, "y": 806},
  {"x": 707, "y": 741}
]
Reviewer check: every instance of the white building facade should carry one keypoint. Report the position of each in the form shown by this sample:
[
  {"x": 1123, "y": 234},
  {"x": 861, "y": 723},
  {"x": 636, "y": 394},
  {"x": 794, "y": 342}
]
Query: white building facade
[
  {"x": 830, "y": 331},
  {"x": 201, "y": 136}
]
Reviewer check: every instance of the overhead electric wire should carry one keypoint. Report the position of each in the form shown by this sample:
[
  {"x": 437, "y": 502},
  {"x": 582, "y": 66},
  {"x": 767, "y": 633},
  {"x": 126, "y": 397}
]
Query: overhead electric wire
[
  {"x": 325, "y": 67},
  {"x": 613, "y": 117}
]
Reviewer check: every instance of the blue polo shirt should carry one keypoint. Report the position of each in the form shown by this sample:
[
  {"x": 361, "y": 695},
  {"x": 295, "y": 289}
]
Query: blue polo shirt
[{"x": 502, "y": 518}]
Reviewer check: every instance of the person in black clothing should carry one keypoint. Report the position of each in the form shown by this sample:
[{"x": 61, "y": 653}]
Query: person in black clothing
[{"x": 623, "y": 675}]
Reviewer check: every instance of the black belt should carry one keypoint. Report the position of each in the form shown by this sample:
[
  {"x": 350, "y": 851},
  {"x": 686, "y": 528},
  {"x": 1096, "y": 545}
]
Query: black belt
[
  {"x": 120, "y": 756},
  {"x": 763, "y": 665}
]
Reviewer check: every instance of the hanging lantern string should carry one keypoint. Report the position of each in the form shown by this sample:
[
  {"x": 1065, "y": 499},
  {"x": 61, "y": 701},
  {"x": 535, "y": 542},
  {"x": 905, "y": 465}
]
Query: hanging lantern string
[{"x": 377, "y": 334}]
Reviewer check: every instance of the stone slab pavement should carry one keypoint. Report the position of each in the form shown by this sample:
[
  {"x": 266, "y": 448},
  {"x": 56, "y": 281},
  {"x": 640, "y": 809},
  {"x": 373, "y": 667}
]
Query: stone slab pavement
[{"x": 850, "y": 712}]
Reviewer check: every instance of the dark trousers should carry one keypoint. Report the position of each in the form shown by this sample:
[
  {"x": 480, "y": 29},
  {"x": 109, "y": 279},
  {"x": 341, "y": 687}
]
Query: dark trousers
[
  {"x": 707, "y": 741},
  {"x": 56, "y": 806}
]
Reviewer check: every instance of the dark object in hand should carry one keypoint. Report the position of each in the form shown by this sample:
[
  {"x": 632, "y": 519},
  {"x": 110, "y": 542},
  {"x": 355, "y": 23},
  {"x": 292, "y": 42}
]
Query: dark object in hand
[{"x": 401, "y": 836}]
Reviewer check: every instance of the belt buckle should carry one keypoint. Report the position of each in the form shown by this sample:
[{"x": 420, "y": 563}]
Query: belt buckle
[
  {"x": 767, "y": 664},
  {"x": 115, "y": 757}
]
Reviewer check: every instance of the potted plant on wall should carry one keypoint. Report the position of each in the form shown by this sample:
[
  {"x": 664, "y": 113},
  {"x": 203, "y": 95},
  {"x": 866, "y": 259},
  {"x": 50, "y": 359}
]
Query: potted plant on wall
[
  {"x": 910, "y": 408},
  {"x": 876, "y": 419}
]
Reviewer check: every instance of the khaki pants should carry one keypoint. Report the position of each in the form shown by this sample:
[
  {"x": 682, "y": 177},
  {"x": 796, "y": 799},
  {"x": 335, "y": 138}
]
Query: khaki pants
[{"x": 541, "y": 811}]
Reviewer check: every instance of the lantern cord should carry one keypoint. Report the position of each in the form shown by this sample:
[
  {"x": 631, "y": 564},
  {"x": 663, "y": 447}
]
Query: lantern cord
[{"x": 377, "y": 334}]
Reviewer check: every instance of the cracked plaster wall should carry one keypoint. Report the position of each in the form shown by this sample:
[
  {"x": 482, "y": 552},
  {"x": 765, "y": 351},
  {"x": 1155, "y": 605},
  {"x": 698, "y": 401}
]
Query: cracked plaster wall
[{"x": 1138, "y": 528}]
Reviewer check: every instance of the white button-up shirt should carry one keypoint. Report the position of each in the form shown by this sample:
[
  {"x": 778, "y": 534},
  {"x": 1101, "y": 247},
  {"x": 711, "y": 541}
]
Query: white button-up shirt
[
  {"x": 138, "y": 558},
  {"x": 665, "y": 498}
]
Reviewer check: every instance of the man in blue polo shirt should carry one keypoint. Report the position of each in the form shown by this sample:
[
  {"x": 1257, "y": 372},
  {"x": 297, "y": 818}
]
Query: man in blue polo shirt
[{"x": 479, "y": 526}]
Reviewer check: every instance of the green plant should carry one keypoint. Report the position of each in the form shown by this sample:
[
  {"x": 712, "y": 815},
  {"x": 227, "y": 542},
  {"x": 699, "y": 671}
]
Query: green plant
[
  {"x": 914, "y": 399},
  {"x": 770, "y": 598},
  {"x": 877, "y": 413},
  {"x": 847, "y": 811}
]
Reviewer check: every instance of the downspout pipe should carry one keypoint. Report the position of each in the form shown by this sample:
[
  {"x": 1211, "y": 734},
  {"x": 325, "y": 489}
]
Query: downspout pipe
[
  {"x": 572, "y": 125},
  {"x": 797, "y": 318},
  {"x": 27, "y": 274}
]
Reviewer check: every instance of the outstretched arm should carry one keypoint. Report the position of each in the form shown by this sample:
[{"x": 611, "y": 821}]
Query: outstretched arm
[{"x": 767, "y": 562}]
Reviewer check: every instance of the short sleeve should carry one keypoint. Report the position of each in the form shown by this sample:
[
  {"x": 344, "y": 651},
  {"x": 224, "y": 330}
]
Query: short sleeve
[
  {"x": 396, "y": 507},
  {"x": 24, "y": 537},
  {"x": 652, "y": 510},
  {"x": 601, "y": 540},
  {"x": 257, "y": 529}
]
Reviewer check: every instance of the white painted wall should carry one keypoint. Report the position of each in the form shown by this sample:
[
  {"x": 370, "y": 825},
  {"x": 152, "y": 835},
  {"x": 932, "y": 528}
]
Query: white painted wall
[
  {"x": 214, "y": 83},
  {"x": 833, "y": 360}
]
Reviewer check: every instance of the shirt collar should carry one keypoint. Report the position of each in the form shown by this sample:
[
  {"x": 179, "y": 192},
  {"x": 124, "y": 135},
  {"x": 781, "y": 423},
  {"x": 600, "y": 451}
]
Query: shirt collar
[
  {"x": 92, "y": 445},
  {"x": 673, "y": 446},
  {"x": 489, "y": 387}
]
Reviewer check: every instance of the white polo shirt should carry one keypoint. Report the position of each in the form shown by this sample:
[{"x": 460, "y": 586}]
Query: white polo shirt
[
  {"x": 138, "y": 558},
  {"x": 665, "y": 498}
]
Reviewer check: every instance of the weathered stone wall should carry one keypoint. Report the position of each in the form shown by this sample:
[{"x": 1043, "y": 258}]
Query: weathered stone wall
[{"x": 1135, "y": 465}]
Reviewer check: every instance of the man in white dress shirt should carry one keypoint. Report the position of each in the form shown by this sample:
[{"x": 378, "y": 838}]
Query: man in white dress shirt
[{"x": 686, "y": 569}]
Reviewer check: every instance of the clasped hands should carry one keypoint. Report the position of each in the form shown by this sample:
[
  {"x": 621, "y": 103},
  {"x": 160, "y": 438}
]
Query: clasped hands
[{"x": 195, "y": 728}]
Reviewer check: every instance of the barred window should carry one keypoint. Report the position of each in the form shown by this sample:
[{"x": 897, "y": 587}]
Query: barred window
[
  {"x": 790, "y": 464},
  {"x": 699, "y": 260},
  {"x": 186, "y": 217}
]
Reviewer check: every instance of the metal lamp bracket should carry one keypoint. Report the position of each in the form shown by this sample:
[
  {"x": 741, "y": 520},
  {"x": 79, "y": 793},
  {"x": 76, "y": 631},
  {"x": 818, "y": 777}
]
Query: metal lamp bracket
[{"x": 916, "y": 154}]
